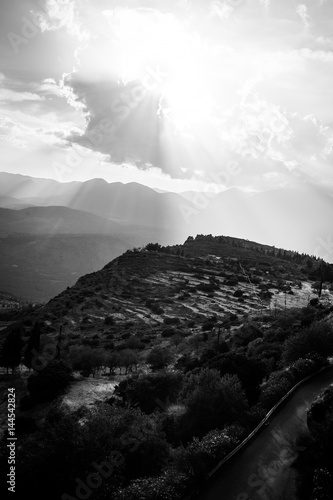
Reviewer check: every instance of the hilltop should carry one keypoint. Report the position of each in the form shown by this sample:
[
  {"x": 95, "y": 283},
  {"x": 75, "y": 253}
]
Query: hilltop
[{"x": 157, "y": 292}]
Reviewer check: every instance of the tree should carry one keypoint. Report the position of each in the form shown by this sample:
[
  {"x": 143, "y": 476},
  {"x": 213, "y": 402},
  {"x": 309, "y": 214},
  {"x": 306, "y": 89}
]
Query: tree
[
  {"x": 33, "y": 345},
  {"x": 87, "y": 360},
  {"x": 278, "y": 384},
  {"x": 250, "y": 371},
  {"x": 112, "y": 361},
  {"x": 317, "y": 338},
  {"x": 211, "y": 400},
  {"x": 10, "y": 355},
  {"x": 317, "y": 287},
  {"x": 150, "y": 390},
  {"x": 128, "y": 358},
  {"x": 50, "y": 382},
  {"x": 158, "y": 358},
  {"x": 320, "y": 418},
  {"x": 153, "y": 247}
]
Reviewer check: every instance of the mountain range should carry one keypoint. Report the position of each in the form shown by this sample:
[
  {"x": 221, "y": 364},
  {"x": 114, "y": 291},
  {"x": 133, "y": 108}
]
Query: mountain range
[{"x": 47, "y": 227}]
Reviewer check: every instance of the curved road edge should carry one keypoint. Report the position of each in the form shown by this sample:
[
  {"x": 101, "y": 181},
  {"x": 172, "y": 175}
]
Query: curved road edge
[{"x": 253, "y": 434}]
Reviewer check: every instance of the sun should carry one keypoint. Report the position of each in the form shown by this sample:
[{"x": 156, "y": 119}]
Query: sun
[{"x": 158, "y": 46}]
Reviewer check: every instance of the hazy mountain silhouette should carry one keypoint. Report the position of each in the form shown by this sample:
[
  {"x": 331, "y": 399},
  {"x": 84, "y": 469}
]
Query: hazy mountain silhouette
[{"x": 295, "y": 217}]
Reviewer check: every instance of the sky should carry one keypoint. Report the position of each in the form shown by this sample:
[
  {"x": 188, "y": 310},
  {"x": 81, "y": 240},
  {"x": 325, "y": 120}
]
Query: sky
[{"x": 174, "y": 94}]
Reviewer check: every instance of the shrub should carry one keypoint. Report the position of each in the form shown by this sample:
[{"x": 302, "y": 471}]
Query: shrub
[
  {"x": 211, "y": 400},
  {"x": 109, "y": 321},
  {"x": 25, "y": 425},
  {"x": 202, "y": 455},
  {"x": 168, "y": 332},
  {"x": 168, "y": 486},
  {"x": 158, "y": 358},
  {"x": 171, "y": 321},
  {"x": 317, "y": 338},
  {"x": 208, "y": 325},
  {"x": 145, "y": 391},
  {"x": 87, "y": 360},
  {"x": 276, "y": 387},
  {"x": 26, "y": 402},
  {"x": 231, "y": 282},
  {"x": 50, "y": 382},
  {"x": 207, "y": 287},
  {"x": 157, "y": 309}
]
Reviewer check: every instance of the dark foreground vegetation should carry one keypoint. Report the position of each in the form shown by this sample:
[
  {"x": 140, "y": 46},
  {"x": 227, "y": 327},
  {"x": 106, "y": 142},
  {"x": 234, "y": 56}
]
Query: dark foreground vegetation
[
  {"x": 167, "y": 427},
  {"x": 314, "y": 466},
  {"x": 198, "y": 355}
]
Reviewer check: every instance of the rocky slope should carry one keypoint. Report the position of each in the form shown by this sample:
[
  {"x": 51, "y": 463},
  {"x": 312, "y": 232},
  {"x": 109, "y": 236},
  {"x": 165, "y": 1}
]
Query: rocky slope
[{"x": 146, "y": 295}]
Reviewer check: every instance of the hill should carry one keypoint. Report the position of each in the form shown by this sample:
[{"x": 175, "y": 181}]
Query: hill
[
  {"x": 187, "y": 288},
  {"x": 45, "y": 249},
  {"x": 54, "y": 220},
  {"x": 201, "y": 338}
]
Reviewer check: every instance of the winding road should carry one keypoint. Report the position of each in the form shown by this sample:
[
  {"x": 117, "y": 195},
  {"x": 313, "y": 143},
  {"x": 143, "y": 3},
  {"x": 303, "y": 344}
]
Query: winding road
[{"x": 262, "y": 469}]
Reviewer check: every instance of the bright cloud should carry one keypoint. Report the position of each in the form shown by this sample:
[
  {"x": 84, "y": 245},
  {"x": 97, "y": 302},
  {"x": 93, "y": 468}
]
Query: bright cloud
[
  {"x": 183, "y": 88},
  {"x": 302, "y": 11}
]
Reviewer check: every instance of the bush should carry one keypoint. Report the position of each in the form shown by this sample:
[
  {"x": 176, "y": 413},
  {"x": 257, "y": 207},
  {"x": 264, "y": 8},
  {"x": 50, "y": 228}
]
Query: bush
[
  {"x": 212, "y": 401},
  {"x": 207, "y": 287},
  {"x": 146, "y": 391},
  {"x": 278, "y": 384},
  {"x": 231, "y": 282},
  {"x": 50, "y": 382},
  {"x": 171, "y": 321},
  {"x": 168, "y": 332},
  {"x": 109, "y": 321},
  {"x": 26, "y": 402},
  {"x": 25, "y": 425},
  {"x": 158, "y": 358},
  {"x": 202, "y": 455},
  {"x": 317, "y": 338},
  {"x": 208, "y": 325},
  {"x": 67, "y": 443},
  {"x": 87, "y": 360},
  {"x": 168, "y": 486},
  {"x": 157, "y": 309}
]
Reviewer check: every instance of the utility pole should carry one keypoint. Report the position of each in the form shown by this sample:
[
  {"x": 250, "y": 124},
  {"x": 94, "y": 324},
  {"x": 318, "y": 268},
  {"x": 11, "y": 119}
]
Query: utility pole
[{"x": 321, "y": 278}]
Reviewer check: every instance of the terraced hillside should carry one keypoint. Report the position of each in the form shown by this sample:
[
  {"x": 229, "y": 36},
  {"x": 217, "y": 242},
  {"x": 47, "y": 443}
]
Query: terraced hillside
[{"x": 146, "y": 296}]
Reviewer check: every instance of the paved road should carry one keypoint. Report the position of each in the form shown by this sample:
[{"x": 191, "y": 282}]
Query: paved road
[{"x": 262, "y": 470}]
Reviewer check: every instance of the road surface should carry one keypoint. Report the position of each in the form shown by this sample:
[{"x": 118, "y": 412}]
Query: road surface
[{"x": 262, "y": 470}]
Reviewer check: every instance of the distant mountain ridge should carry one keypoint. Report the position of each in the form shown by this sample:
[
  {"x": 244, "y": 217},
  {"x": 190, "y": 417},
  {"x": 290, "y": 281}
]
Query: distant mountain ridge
[
  {"x": 296, "y": 216},
  {"x": 54, "y": 220}
]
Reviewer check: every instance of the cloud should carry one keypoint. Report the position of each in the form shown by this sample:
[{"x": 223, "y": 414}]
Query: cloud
[
  {"x": 221, "y": 10},
  {"x": 8, "y": 95},
  {"x": 302, "y": 11},
  {"x": 248, "y": 87},
  {"x": 12, "y": 132},
  {"x": 61, "y": 14},
  {"x": 325, "y": 56}
]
